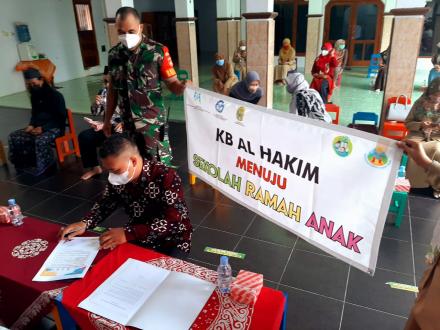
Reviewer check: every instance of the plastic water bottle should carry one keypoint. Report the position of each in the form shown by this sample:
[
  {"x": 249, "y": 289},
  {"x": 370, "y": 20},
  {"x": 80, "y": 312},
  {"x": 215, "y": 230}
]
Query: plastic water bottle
[
  {"x": 15, "y": 212},
  {"x": 224, "y": 272},
  {"x": 402, "y": 172}
]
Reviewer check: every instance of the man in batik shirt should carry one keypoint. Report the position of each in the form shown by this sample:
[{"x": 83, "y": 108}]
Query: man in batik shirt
[
  {"x": 137, "y": 66},
  {"x": 152, "y": 196}
]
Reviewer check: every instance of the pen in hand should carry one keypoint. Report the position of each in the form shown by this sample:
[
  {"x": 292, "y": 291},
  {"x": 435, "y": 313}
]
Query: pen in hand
[{"x": 65, "y": 237}]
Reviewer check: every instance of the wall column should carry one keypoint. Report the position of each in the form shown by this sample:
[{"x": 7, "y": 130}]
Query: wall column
[
  {"x": 260, "y": 31},
  {"x": 260, "y": 35},
  {"x": 186, "y": 38},
  {"x": 315, "y": 28},
  {"x": 406, "y": 35},
  {"x": 228, "y": 27},
  {"x": 386, "y": 31}
]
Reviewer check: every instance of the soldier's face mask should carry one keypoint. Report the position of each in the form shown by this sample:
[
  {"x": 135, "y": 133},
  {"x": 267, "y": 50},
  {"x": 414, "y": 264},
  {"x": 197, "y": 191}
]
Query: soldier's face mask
[{"x": 130, "y": 40}]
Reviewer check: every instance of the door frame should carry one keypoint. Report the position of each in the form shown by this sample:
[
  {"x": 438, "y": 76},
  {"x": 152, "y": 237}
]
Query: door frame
[
  {"x": 353, "y": 15},
  {"x": 95, "y": 42},
  {"x": 294, "y": 36}
]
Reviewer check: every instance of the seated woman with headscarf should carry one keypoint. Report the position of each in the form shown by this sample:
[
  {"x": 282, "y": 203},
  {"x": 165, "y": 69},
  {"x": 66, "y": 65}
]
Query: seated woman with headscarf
[
  {"x": 30, "y": 149},
  {"x": 239, "y": 59},
  {"x": 305, "y": 102},
  {"x": 224, "y": 77},
  {"x": 286, "y": 62},
  {"x": 249, "y": 89},
  {"x": 323, "y": 72},
  {"x": 341, "y": 57},
  {"x": 423, "y": 123},
  {"x": 379, "y": 84}
]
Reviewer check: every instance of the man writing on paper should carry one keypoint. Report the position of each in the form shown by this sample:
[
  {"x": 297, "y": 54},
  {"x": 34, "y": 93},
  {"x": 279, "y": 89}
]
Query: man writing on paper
[
  {"x": 151, "y": 195},
  {"x": 137, "y": 66}
]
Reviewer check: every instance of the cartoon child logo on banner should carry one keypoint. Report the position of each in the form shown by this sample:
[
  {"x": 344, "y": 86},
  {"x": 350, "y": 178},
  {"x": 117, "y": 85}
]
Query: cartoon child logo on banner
[
  {"x": 378, "y": 157},
  {"x": 342, "y": 146}
]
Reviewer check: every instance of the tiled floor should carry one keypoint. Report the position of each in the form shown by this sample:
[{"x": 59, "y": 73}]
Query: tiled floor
[
  {"x": 354, "y": 95},
  {"x": 324, "y": 293}
]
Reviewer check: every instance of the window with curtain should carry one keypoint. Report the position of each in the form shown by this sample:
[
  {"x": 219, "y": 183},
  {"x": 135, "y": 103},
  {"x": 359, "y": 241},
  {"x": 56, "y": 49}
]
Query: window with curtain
[{"x": 84, "y": 17}]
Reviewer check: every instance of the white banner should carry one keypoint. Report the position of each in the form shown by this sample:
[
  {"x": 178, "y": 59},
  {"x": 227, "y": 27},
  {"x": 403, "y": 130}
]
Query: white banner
[{"x": 328, "y": 184}]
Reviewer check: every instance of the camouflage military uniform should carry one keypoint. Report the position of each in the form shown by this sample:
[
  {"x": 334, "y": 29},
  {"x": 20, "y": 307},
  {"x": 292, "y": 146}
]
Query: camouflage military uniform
[{"x": 137, "y": 76}]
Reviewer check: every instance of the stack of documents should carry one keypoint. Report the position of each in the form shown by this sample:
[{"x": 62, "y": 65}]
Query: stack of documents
[
  {"x": 69, "y": 259},
  {"x": 148, "y": 297}
]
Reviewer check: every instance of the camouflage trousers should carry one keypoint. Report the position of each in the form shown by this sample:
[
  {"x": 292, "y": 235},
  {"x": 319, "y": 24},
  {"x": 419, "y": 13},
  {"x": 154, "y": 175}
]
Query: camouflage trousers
[{"x": 156, "y": 143}]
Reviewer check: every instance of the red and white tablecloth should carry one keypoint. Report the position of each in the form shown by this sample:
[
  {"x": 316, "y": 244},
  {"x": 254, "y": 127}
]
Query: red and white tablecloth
[
  {"x": 220, "y": 312},
  {"x": 23, "y": 250},
  {"x": 402, "y": 185}
]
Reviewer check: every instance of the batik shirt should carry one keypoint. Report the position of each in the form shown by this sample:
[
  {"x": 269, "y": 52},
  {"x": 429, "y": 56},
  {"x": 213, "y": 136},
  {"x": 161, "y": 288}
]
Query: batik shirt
[
  {"x": 136, "y": 76},
  {"x": 157, "y": 212}
]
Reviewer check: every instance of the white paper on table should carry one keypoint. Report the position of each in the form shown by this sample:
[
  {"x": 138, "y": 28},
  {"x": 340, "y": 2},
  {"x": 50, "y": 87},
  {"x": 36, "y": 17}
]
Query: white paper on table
[
  {"x": 69, "y": 259},
  {"x": 175, "y": 304},
  {"x": 140, "y": 295},
  {"x": 125, "y": 291}
]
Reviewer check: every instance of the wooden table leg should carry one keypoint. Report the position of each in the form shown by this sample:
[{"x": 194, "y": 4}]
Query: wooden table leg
[{"x": 192, "y": 179}]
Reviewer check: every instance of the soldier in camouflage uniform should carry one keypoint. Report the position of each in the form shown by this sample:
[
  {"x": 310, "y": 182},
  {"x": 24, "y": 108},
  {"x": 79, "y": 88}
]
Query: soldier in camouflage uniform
[{"x": 137, "y": 66}]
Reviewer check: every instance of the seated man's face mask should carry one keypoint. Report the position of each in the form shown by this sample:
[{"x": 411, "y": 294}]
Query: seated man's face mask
[{"x": 123, "y": 178}]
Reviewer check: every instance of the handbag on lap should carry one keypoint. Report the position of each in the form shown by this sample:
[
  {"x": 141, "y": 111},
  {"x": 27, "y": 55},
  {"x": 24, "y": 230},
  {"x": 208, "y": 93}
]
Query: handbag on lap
[{"x": 398, "y": 111}]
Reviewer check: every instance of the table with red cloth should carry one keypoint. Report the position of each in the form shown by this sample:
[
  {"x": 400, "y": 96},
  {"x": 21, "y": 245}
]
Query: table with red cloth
[
  {"x": 220, "y": 311},
  {"x": 23, "y": 250}
]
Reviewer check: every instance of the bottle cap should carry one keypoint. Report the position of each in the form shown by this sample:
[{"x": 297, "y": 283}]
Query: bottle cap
[
  {"x": 224, "y": 260},
  {"x": 11, "y": 202}
]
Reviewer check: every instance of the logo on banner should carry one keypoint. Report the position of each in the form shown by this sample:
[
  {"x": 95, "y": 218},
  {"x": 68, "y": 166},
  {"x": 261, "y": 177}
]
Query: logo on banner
[
  {"x": 220, "y": 106},
  {"x": 342, "y": 146},
  {"x": 240, "y": 113},
  {"x": 378, "y": 157},
  {"x": 197, "y": 97}
]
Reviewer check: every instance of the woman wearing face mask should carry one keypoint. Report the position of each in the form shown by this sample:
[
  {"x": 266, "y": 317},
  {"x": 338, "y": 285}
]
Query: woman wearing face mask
[
  {"x": 30, "y": 149},
  {"x": 323, "y": 72},
  {"x": 286, "y": 62},
  {"x": 239, "y": 59},
  {"x": 248, "y": 90},
  {"x": 224, "y": 77},
  {"x": 341, "y": 58},
  {"x": 423, "y": 123}
]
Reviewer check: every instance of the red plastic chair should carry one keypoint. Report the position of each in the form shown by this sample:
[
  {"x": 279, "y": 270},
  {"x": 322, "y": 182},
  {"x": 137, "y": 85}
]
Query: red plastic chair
[
  {"x": 62, "y": 143},
  {"x": 333, "y": 108},
  {"x": 394, "y": 130}
]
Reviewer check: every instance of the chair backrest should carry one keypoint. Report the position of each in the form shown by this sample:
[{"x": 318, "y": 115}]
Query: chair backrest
[
  {"x": 333, "y": 108},
  {"x": 183, "y": 75},
  {"x": 70, "y": 124},
  {"x": 394, "y": 130},
  {"x": 365, "y": 116},
  {"x": 375, "y": 60}
]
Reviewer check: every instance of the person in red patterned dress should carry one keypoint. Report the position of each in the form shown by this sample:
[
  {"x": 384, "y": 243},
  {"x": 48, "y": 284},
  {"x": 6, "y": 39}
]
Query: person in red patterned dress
[
  {"x": 151, "y": 195},
  {"x": 323, "y": 72}
]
